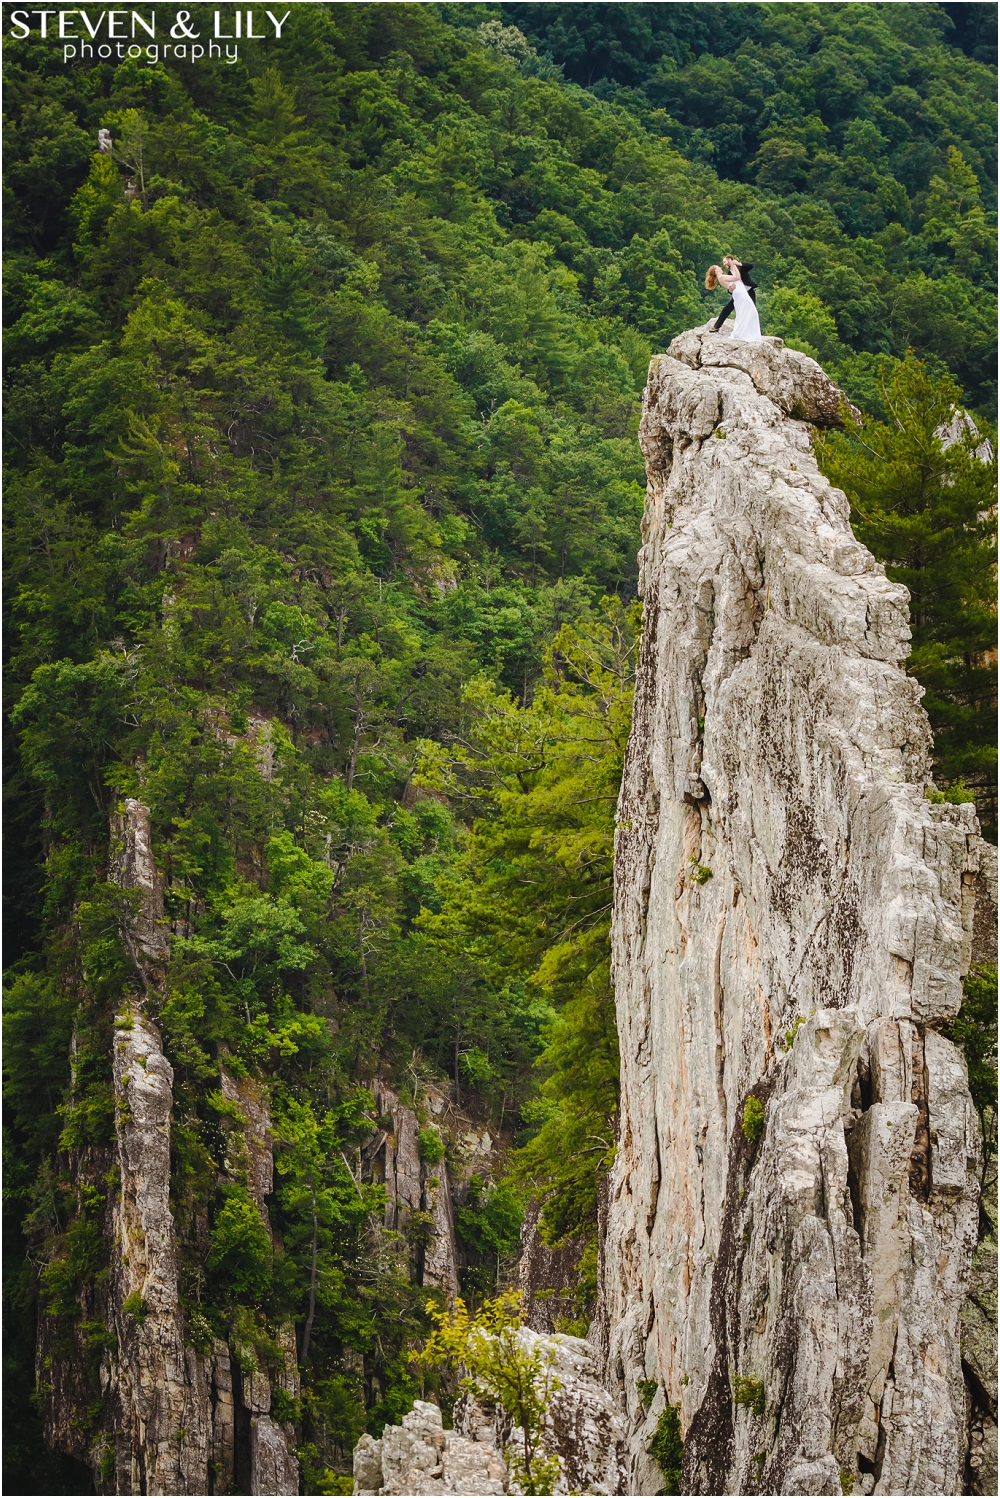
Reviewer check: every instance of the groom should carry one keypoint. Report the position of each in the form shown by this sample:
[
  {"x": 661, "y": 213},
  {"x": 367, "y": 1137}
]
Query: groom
[{"x": 733, "y": 265}]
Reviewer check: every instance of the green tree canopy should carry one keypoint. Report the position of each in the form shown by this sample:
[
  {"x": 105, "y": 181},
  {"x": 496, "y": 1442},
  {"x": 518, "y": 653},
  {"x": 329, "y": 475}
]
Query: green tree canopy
[{"x": 922, "y": 487}]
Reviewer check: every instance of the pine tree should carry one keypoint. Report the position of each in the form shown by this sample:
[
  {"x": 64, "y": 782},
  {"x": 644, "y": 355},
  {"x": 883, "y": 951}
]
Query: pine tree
[
  {"x": 922, "y": 488},
  {"x": 534, "y": 897}
]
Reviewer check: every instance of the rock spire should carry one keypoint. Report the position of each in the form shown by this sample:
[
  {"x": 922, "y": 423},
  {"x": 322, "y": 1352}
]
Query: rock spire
[{"x": 793, "y": 1208}]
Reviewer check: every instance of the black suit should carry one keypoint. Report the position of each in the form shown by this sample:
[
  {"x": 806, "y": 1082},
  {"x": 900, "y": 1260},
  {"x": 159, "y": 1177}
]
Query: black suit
[{"x": 728, "y": 309}]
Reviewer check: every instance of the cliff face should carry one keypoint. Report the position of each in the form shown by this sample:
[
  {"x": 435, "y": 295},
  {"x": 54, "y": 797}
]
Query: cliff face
[
  {"x": 134, "y": 1386},
  {"x": 793, "y": 1210},
  {"x": 163, "y": 1413},
  {"x": 418, "y": 1195}
]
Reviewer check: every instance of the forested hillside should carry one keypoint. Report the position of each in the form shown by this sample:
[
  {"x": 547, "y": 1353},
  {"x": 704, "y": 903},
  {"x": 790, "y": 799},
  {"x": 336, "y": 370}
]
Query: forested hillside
[{"x": 323, "y": 502}]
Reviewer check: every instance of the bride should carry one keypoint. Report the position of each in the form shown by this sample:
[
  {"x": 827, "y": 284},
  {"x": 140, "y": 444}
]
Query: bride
[{"x": 747, "y": 322}]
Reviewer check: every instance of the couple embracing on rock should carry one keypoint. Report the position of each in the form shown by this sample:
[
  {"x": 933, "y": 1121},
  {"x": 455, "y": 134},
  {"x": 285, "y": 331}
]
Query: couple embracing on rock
[{"x": 736, "y": 279}]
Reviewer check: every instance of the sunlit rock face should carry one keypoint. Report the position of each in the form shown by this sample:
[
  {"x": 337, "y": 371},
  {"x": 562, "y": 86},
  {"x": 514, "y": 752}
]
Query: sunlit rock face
[
  {"x": 793, "y": 1209},
  {"x": 420, "y": 1456}
]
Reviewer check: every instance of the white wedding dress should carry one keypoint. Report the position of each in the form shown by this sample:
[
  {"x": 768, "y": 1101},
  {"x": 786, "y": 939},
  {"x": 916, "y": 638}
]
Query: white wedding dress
[{"x": 747, "y": 322}]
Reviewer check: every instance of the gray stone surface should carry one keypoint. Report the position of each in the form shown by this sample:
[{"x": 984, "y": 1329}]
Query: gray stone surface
[
  {"x": 418, "y": 1456},
  {"x": 793, "y": 920},
  {"x": 273, "y": 1469},
  {"x": 250, "y": 1150},
  {"x": 223, "y": 1433},
  {"x": 391, "y": 1156},
  {"x": 583, "y": 1428},
  {"x": 133, "y": 866},
  {"x": 174, "y": 1410},
  {"x": 368, "y": 1465},
  {"x": 548, "y": 1278},
  {"x": 794, "y": 382},
  {"x": 162, "y": 1385},
  {"x": 439, "y": 1268}
]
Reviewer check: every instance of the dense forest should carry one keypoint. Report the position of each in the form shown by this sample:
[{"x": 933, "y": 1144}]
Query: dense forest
[{"x": 323, "y": 501}]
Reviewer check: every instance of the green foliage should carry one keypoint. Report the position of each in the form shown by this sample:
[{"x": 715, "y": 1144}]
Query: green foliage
[
  {"x": 829, "y": 111},
  {"x": 99, "y": 1335},
  {"x": 533, "y": 894},
  {"x": 488, "y": 1227},
  {"x": 500, "y": 1367},
  {"x": 922, "y": 488},
  {"x": 285, "y": 1408},
  {"x": 239, "y": 1259},
  {"x": 958, "y": 794},
  {"x": 317, "y": 1477},
  {"x": 754, "y": 1116},
  {"x": 325, "y": 1212},
  {"x": 667, "y": 1448},
  {"x": 430, "y": 1145},
  {"x": 802, "y": 320},
  {"x": 134, "y": 1305},
  {"x": 79, "y": 1254},
  {"x": 419, "y": 1228},
  {"x": 37, "y": 1025},
  {"x": 647, "y": 1388},
  {"x": 749, "y": 1392},
  {"x": 787, "y": 1040}
]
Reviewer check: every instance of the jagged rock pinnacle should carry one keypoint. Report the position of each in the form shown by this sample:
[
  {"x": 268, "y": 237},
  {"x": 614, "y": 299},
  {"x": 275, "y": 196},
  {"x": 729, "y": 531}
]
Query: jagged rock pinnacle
[{"x": 792, "y": 1213}]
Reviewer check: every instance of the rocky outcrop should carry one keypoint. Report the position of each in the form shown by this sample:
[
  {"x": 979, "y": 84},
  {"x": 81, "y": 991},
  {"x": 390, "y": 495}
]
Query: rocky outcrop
[
  {"x": 171, "y": 1419},
  {"x": 250, "y": 1150},
  {"x": 582, "y": 1428},
  {"x": 793, "y": 382},
  {"x": 418, "y": 1201},
  {"x": 133, "y": 868},
  {"x": 793, "y": 1208},
  {"x": 160, "y": 1385},
  {"x": 582, "y": 1425},
  {"x": 419, "y": 1456},
  {"x": 249, "y": 1450},
  {"x": 979, "y": 1313}
]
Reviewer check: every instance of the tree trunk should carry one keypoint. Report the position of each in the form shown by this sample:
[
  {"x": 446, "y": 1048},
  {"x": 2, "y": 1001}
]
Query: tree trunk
[
  {"x": 458, "y": 1088},
  {"x": 307, "y": 1330}
]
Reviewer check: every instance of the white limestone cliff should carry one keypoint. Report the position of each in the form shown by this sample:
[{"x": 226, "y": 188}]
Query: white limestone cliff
[
  {"x": 582, "y": 1426},
  {"x": 420, "y": 1456},
  {"x": 792, "y": 923}
]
